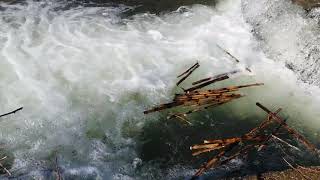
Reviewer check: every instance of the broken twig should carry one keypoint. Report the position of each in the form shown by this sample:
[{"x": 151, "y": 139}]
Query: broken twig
[
  {"x": 12, "y": 112},
  {"x": 187, "y": 73}
]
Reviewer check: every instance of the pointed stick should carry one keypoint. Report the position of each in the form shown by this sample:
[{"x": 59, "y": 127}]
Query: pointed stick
[
  {"x": 232, "y": 56},
  {"x": 285, "y": 142},
  {"x": 5, "y": 169},
  {"x": 298, "y": 136},
  {"x": 297, "y": 170},
  {"x": 180, "y": 116},
  {"x": 222, "y": 90},
  {"x": 201, "y": 151},
  {"x": 214, "y": 77},
  {"x": 188, "y": 70},
  {"x": 230, "y": 88},
  {"x": 213, "y": 145},
  {"x": 162, "y": 107},
  {"x": 210, "y": 146},
  {"x": 216, "y": 160},
  {"x": 193, "y": 68},
  {"x": 221, "y": 78},
  {"x": 235, "y": 88},
  {"x": 12, "y": 112},
  {"x": 265, "y": 123},
  {"x": 208, "y": 97},
  {"x": 211, "y": 163},
  {"x": 205, "y": 107}
]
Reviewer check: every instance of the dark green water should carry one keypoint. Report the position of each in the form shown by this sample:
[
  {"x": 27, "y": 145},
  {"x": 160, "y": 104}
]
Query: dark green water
[{"x": 86, "y": 70}]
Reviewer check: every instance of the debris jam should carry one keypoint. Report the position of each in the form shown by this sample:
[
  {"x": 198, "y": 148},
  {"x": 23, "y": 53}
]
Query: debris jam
[
  {"x": 85, "y": 71},
  {"x": 230, "y": 148}
]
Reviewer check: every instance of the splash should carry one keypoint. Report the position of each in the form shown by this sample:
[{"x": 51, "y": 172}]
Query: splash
[{"x": 84, "y": 76}]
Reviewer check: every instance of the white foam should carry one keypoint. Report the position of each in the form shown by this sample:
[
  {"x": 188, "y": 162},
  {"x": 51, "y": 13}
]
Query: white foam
[{"x": 83, "y": 72}]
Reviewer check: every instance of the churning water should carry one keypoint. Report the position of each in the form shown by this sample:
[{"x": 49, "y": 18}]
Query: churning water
[{"x": 84, "y": 75}]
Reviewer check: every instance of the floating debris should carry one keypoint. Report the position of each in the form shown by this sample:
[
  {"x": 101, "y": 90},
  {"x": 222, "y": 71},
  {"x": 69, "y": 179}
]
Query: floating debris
[
  {"x": 256, "y": 139},
  {"x": 198, "y": 99},
  {"x": 232, "y": 56},
  {"x": 187, "y": 73}
]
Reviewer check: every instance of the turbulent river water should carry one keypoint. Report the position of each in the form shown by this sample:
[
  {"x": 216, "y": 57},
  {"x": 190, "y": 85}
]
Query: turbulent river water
[{"x": 84, "y": 75}]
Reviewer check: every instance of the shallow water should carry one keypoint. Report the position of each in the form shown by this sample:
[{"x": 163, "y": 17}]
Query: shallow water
[{"x": 84, "y": 75}]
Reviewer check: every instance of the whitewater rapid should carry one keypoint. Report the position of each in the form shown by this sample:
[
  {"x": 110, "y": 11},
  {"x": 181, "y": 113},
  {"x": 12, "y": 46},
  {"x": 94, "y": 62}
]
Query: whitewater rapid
[{"x": 84, "y": 75}]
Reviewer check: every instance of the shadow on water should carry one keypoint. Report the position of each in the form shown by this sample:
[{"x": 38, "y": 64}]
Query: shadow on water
[{"x": 138, "y": 6}]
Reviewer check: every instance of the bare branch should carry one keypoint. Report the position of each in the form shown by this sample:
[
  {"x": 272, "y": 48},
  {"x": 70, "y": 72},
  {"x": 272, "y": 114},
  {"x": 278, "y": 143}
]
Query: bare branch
[{"x": 12, "y": 112}]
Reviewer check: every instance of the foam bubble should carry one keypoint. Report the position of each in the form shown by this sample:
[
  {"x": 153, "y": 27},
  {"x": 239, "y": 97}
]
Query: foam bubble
[{"x": 84, "y": 77}]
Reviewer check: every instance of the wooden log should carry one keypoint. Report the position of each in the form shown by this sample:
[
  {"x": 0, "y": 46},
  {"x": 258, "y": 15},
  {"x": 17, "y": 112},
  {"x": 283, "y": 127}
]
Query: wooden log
[
  {"x": 205, "y": 97},
  {"x": 207, "y": 83},
  {"x": 232, "y": 56},
  {"x": 293, "y": 132},
  {"x": 225, "y": 89},
  {"x": 162, "y": 107},
  {"x": 215, "y": 77},
  {"x": 188, "y": 70},
  {"x": 211, "y": 163},
  {"x": 201, "y": 151},
  {"x": 192, "y": 102},
  {"x": 265, "y": 123},
  {"x": 210, "y": 146},
  {"x": 200, "y": 108},
  {"x": 188, "y": 74},
  {"x": 181, "y": 117}
]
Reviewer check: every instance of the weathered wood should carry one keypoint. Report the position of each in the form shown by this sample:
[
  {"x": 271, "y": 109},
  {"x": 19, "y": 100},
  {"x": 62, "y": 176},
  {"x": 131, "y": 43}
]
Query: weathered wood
[
  {"x": 211, "y": 105},
  {"x": 212, "y": 162},
  {"x": 188, "y": 73},
  {"x": 248, "y": 141},
  {"x": 232, "y": 56},
  {"x": 162, "y": 107},
  {"x": 294, "y": 133},
  {"x": 207, "y": 83},
  {"x": 188, "y": 70},
  {"x": 214, "y": 77},
  {"x": 264, "y": 124}
]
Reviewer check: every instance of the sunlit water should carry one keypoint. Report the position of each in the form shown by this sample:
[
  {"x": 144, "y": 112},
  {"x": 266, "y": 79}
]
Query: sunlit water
[{"x": 84, "y": 75}]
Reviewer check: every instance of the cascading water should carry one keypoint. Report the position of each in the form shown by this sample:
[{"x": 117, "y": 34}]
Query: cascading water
[{"x": 85, "y": 74}]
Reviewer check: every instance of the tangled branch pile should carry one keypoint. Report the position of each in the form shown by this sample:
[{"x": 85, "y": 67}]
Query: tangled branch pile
[
  {"x": 256, "y": 139},
  {"x": 198, "y": 99},
  {"x": 228, "y": 149}
]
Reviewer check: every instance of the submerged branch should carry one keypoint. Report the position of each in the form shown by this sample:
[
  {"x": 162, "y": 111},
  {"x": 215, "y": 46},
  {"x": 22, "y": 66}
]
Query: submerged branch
[
  {"x": 196, "y": 99},
  {"x": 242, "y": 145},
  {"x": 294, "y": 133}
]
